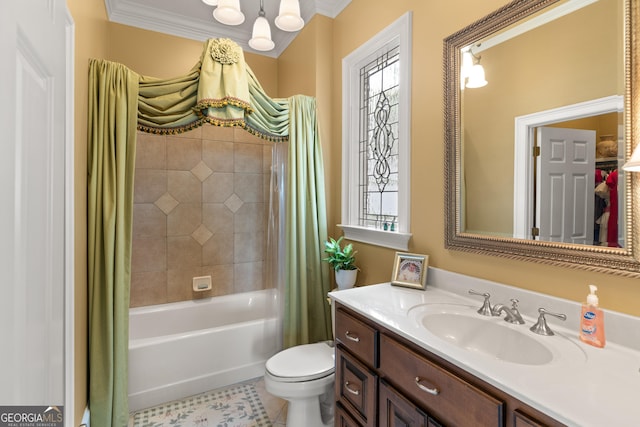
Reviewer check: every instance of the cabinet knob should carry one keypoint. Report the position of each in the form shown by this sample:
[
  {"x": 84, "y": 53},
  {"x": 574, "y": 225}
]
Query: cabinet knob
[
  {"x": 433, "y": 390},
  {"x": 351, "y": 337}
]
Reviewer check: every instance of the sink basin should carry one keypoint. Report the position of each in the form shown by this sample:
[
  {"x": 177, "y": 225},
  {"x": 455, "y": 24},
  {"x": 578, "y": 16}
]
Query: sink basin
[
  {"x": 491, "y": 337},
  {"x": 487, "y": 336}
]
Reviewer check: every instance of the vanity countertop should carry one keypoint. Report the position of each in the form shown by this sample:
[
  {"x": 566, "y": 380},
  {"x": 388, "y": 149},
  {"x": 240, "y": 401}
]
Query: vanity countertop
[{"x": 600, "y": 387}]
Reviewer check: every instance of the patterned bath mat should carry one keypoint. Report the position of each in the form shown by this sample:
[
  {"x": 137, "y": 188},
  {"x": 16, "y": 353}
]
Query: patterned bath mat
[{"x": 238, "y": 406}]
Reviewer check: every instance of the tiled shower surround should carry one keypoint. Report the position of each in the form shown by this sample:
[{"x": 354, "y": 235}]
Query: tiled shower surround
[{"x": 200, "y": 209}]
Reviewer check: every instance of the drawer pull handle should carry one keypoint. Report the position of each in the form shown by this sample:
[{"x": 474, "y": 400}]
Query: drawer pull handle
[
  {"x": 351, "y": 337},
  {"x": 433, "y": 391},
  {"x": 351, "y": 390}
]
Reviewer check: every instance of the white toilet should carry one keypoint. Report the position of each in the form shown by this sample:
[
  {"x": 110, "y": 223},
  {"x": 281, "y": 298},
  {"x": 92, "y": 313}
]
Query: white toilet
[{"x": 304, "y": 375}]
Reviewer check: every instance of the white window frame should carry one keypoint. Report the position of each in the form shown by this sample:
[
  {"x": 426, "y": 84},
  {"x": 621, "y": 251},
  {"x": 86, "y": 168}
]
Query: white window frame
[{"x": 398, "y": 33}]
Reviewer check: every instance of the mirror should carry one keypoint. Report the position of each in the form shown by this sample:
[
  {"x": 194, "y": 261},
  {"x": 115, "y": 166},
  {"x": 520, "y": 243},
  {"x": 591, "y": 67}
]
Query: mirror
[{"x": 528, "y": 141}]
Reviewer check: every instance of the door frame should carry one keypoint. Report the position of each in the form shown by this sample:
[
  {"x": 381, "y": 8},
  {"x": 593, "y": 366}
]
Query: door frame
[
  {"x": 523, "y": 202},
  {"x": 69, "y": 223}
]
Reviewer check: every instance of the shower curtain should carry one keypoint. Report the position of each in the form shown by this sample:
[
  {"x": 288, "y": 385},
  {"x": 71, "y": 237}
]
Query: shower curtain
[
  {"x": 221, "y": 90},
  {"x": 111, "y": 159}
]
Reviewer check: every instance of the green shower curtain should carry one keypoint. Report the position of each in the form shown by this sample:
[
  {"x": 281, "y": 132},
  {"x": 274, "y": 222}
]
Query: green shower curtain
[
  {"x": 122, "y": 102},
  {"x": 307, "y": 317},
  {"x": 113, "y": 100}
]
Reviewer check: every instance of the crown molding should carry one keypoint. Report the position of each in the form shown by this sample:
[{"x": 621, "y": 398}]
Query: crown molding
[
  {"x": 136, "y": 14},
  {"x": 331, "y": 8}
]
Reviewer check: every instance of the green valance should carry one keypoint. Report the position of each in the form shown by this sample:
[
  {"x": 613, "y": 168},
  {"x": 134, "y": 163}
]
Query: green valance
[{"x": 220, "y": 89}]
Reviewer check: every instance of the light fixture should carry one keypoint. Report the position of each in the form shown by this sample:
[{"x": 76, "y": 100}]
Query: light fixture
[
  {"x": 471, "y": 72},
  {"x": 261, "y": 35},
  {"x": 228, "y": 12},
  {"x": 289, "y": 17},
  {"x": 633, "y": 165}
]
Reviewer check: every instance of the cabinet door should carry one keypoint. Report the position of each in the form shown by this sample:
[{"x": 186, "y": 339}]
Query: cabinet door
[
  {"x": 396, "y": 411},
  {"x": 356, "y": 387},
  {"x": 522, "y": 420},
  {"x": 343, "y": 419}
]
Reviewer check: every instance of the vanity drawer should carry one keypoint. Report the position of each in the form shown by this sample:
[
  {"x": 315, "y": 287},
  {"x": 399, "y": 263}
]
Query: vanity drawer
[
  {"x": 446, "y": 396},
  {"x": 356, "y": 387},
  {"x": 360, "y": 338}
]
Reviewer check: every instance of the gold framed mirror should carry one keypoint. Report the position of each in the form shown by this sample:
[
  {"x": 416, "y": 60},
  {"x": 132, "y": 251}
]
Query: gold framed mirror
[{"x": 586, "y": 54}]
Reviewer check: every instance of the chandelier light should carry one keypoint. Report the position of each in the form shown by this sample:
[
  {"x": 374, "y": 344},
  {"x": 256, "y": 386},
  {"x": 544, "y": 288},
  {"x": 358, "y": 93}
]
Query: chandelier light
[
  {"x": 228, "y": 12},
  {"x": 261, "y": 35},
  {"x": 289, "y": 17}
]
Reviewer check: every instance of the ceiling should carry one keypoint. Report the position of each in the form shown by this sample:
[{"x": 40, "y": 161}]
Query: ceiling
[{"x": 193, "y": 19}]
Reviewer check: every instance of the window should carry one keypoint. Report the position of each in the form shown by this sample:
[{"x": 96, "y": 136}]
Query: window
[{"x": 376, "y": 138}]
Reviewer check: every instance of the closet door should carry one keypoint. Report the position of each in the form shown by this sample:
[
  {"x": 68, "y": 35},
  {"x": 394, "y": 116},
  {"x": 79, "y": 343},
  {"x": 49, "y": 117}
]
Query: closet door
[{"x": 35, "y": 46}]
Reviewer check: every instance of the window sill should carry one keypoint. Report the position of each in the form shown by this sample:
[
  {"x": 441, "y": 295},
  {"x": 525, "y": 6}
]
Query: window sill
[{"x": 389, "y": 239}]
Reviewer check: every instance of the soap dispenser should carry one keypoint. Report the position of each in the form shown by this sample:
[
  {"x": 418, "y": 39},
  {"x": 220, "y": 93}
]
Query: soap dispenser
[{"x": 592, "y": 320}]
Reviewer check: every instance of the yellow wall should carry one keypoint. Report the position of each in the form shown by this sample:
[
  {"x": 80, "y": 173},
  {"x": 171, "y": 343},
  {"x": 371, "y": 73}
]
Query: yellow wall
[{"x": 312, "y": 65}]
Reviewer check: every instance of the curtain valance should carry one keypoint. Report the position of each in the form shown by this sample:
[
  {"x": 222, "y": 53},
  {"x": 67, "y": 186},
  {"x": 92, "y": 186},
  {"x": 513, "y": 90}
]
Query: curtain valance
[{"x": 220, "y": 89}]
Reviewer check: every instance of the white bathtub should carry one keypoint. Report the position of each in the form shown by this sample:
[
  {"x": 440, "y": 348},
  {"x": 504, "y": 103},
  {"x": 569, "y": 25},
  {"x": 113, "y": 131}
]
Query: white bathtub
[{"x": 181, "y": 349}]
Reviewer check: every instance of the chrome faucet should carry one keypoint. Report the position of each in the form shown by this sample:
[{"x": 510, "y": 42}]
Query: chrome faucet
[
  {"x": 541, "y": 326},
  {"x": 513, "y": 314},
  {"x": 485, "y": 310}
]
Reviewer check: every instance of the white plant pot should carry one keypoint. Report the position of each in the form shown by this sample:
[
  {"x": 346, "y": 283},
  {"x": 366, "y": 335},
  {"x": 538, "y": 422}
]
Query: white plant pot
[{"x": 346, "y": 278}]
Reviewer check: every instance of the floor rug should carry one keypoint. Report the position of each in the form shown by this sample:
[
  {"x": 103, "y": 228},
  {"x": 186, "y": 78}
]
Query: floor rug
[{"x": 238, "y": 406}]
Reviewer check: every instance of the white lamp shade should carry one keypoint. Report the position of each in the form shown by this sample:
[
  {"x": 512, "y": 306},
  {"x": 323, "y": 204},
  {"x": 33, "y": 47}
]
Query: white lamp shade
[
  {"x": 228, "y": 12},
  {"x": 261, "y": 36},
  {"x": 465, "y": 68},
  {"x": 210, "y": 2},
  {"x": 476, "y": 77},
  {"x": 633, "y": 165},
  {"x": 289, "y": 17}
]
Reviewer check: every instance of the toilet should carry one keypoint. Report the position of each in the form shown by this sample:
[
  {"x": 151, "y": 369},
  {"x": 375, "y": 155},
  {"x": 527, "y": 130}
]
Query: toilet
[{"x": 304, "y": 375}]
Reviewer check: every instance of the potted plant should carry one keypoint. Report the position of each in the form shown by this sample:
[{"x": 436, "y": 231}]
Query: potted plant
[{"x": 343, "y": 262}]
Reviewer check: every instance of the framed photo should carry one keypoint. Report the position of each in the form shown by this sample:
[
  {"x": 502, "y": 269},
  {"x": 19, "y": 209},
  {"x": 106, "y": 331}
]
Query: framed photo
[{"x": 410, "y": 270}]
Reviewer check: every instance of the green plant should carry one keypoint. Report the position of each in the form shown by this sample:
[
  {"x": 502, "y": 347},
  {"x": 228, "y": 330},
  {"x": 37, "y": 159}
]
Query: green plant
[{"x": 340, "y": 258}]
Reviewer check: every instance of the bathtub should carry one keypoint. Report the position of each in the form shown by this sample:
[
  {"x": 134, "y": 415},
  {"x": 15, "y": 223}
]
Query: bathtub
[{"x": 181, "y": 349}]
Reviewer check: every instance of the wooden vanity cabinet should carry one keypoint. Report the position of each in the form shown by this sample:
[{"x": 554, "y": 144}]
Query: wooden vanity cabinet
[{"x": 383, "y": 379}]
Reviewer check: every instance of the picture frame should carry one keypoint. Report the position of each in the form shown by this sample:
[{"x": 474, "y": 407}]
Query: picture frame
[{"x": 410, "y": 270}]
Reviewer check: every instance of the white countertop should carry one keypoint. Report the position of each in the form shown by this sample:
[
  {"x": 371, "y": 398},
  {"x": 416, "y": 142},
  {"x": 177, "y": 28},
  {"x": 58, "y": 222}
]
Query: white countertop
[{"x": 585, "y": 386}]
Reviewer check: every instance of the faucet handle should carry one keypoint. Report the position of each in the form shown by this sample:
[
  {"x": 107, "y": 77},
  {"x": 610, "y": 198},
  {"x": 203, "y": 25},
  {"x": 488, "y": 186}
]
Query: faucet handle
[
  {"x": 541, "y": 326},
  {"x": 485, "y": 310},
  {"x": 514, "y": 303}
]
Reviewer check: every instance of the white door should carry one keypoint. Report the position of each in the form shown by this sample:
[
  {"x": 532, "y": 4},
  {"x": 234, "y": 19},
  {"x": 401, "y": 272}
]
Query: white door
[
  {"x": 565, "y": 185},
  {"x": 36, "y": 37}
]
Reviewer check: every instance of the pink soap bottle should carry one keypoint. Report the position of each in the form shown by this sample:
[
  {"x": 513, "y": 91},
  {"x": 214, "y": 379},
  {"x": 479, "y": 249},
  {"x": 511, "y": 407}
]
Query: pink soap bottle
[{"x": 592, "y": 320}]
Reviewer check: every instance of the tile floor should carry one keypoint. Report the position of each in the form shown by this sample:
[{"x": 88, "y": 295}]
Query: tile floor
[{"x": 276, "y": 408}]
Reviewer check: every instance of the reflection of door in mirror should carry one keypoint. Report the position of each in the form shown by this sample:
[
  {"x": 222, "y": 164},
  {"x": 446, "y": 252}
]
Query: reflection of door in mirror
[{"x": 565, "y": 173}]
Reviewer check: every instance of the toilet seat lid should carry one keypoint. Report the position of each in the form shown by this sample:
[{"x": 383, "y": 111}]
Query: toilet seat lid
[{"x": 303, "y": 362}]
